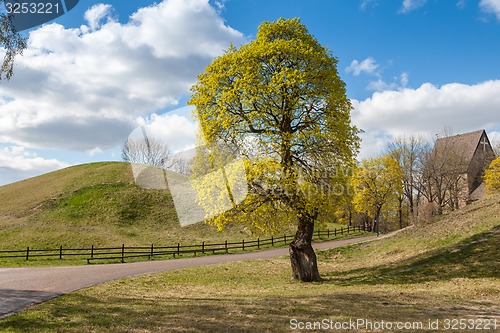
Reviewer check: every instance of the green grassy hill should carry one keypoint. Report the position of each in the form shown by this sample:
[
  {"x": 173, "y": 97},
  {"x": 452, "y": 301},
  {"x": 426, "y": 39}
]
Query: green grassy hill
[
  {"x": 98, "y": 204},
  {"x": 446, "y": 272}
]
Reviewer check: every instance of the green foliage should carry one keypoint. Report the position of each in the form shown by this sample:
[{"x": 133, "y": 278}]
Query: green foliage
[
  {"x": 279, "y": 103},
  {"x": 378, "y": 183},
  {"x": 492, "y": 176}
]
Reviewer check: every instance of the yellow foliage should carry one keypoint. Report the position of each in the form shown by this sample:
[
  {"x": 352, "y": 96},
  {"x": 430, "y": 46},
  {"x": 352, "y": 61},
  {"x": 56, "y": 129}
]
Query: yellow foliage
[
  {"x": 279, "y": 105},
  {"x": 492, "y": 176},
  {"x": 377, "y": 182}
]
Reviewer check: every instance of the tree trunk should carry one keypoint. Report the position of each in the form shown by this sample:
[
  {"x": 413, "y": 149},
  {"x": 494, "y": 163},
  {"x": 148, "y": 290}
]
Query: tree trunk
[{"x": 302, "y": 256}]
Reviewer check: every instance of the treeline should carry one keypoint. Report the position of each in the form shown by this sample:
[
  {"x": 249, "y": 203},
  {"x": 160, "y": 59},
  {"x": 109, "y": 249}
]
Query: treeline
[{"x": 413, "y": 180}]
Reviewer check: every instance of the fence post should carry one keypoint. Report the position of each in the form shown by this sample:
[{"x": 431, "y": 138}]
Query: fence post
[
  {"x": 178, "y": 249},
  {"x": 92, "y": 252},
  {"x": 258, "y": 243},
  {"x": 152, "y": 251},
  {"x": 272, "y": 240},
  {"x": 203, "y": 247},
  {"x": 225, "y": 246},
  {"x": 348, "y": 230},
  {"x": 342, "y": 230},
  {"x": 335, "y": 232},
  {"x": 27, "y": 252},
  {"x": 243, "y": 245},
  {"x": 60, "y": 252},
  {"x": 123, "y": 252},
  {"x": 328, "y": 232}
]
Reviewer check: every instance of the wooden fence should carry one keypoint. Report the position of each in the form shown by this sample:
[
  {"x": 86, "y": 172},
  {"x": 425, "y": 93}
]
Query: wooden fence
[{"x": 114, "y": 253}]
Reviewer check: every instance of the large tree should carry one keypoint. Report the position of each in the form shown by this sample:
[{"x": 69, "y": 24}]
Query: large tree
[
  {"x": 11, "y": 44},
  {"x": 279, "y": 102}
]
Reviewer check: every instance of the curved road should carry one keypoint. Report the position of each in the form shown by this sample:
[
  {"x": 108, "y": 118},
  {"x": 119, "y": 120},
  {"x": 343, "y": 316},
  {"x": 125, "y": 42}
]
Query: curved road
[{"x": 21, "y": 288}]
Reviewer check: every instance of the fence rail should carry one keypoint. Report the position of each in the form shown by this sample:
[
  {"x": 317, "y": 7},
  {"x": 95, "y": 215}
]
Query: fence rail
[{"x": 123, "y": 252}]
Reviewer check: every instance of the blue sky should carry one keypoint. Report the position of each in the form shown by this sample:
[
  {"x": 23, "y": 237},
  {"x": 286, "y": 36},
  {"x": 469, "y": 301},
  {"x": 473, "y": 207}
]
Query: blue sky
[{"x": 89, "y": 78}]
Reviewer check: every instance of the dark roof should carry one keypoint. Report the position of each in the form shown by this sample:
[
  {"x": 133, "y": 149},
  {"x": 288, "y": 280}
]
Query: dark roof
[{"x": 458, "y": 149}]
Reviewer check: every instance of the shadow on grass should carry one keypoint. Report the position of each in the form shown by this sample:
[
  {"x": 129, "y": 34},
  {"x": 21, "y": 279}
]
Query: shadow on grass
[
  {"x": 11, "y": 300},
  {"x": 475, "y": 257},
  {"x": 82, "y": 313}
]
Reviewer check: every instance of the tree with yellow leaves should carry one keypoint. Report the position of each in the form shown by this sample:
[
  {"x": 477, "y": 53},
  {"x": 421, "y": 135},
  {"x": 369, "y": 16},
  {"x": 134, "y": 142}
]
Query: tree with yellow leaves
[
  {"x": 279, "y": 104},
  {"x": 377, "y": 182},
  {"x": 492, "y": 176}
]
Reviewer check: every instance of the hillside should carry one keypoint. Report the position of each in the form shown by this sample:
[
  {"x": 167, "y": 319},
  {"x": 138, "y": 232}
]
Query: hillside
[
  {"x": 95, "y": 203},
  {"x": 440, "y": 273}
]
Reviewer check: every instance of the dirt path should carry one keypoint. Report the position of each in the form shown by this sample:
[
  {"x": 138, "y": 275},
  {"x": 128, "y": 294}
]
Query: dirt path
[{"x": 23, "y": 287}]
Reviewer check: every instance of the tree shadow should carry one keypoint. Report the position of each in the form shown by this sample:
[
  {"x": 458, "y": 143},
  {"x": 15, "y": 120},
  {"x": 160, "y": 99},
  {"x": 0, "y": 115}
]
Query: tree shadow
[
  {"x": 228, "y": 314},
  {"x": 12, "y": 301},
  {"x": 475, "y": 257}
]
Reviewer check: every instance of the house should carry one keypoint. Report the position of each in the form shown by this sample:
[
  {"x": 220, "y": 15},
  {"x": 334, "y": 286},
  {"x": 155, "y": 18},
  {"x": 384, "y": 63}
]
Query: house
[{"x": 456, "y": 167}]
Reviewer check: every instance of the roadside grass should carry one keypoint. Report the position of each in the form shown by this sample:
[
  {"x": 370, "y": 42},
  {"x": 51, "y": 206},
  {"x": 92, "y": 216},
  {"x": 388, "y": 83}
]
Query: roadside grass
[{"x": 444, "y": 270}]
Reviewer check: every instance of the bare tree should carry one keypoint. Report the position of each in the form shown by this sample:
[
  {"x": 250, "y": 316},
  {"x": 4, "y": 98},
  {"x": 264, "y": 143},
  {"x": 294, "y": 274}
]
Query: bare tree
[
  {"x": 443, "y": 180},
  {"x": 181, "y": 164},
  {"x": 409, "y": 152},
  {"x": 150, "y": 151},
  {"x": 12, "y": 42}
]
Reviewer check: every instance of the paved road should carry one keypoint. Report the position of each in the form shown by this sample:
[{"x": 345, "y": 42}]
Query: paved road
[{"x": 20, "y": 288}]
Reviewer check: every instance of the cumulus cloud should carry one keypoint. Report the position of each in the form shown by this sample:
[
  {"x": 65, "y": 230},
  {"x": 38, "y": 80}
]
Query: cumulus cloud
[
  {"x": 176, "y": 131},
  {"x": 490, "y": 6},
  {"x": 397, "y": 83},
  {"x": 17, "y": 163},
  {"x": 369, "y": 66},
  {"x": 427, "y": 110},
  {"x": 79, "y": 89},
  {"x": 96, "y": 13}
]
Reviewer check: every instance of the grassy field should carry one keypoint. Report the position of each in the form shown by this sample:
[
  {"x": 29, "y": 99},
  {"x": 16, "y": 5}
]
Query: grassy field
[
  {"x": 96, "y": 204},
  {"x": 446, "y": 270}
]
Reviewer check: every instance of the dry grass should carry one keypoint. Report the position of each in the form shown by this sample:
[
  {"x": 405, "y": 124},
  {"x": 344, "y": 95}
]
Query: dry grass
[{"x": 445, "y": 270}]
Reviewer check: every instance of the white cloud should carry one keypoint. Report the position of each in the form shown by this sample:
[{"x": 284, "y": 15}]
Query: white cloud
[
  {"x": 96, "y": 13},
  {"x": 409, "y": 5},
  {"x": 178, "y": 132},
  {"x": 17, "y": 163},
  {"x": 398, "y": 83},
  {"x": 490, "y": 6},
  {"x": 369, "y": 66},
  {"x": 78, "y": 89},
  {"x": 427, "y": 110},
  {"x": 381, "y": 85}
]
